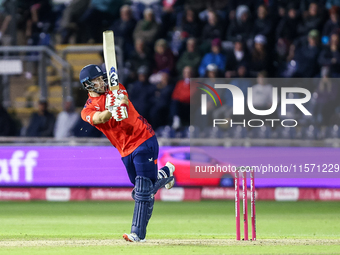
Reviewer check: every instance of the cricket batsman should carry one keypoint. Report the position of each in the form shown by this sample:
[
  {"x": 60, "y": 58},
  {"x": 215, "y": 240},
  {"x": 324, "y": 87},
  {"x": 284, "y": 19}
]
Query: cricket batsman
[{"x": 112, "y": 113}]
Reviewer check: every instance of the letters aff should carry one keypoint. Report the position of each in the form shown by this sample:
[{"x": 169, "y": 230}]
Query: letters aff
[{"x": 10, "y": 168}]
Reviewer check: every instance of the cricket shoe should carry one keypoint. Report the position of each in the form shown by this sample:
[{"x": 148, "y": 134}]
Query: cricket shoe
[
  {"x": 171, "y": 170},
  {"x": 133, "y": 238}
]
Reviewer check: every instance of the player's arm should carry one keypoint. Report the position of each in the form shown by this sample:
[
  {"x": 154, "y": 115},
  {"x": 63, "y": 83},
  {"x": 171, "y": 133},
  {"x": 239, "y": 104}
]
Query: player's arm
[
  {"x": 94, "y": 117},
  {"x": 125, "y": 100},
  {"x": 101, "y": 117}
]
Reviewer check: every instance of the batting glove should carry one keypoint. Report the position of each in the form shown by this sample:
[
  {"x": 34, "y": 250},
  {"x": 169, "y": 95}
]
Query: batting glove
[
  {"x": 120, "y": 113},
  {"x": 113, "y": 100}
]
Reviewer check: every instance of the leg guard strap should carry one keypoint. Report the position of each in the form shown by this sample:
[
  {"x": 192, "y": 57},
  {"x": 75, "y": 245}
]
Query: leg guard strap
[{"x": 160, "y": 183}]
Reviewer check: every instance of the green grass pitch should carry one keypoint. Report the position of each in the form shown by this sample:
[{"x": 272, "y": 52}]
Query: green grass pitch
[{"x": 206, "y": 227}]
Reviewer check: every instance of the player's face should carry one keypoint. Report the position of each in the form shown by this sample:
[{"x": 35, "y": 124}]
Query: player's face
[{"x": 99, "y": 84}]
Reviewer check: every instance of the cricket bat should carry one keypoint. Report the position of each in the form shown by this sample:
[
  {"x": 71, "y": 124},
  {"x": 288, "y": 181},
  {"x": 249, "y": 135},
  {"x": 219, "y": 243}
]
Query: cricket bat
[{"x": 110, "y": 59}]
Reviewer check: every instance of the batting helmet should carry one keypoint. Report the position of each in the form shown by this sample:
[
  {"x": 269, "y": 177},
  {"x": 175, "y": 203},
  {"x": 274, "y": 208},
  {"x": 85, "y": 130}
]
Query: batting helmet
[{"x": 89, "y": 73}]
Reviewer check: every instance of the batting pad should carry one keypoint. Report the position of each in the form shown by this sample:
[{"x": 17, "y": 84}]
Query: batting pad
[
  {"x": 143, "y": 206},
  {"x": 150, "y": 208}
]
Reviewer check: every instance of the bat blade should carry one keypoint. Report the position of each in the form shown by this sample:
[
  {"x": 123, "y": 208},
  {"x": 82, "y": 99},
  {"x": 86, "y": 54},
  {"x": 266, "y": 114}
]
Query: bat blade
[{"x": 110, "y": 59}]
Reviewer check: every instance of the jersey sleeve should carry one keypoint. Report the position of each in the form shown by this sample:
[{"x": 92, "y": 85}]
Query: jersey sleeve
[
  {"x": 87, "y": 113},
  {"x": 122, "y": 90}
]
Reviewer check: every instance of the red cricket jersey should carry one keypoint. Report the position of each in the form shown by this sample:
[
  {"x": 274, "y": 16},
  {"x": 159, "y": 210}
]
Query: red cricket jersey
[{"x": 125, "y": 135}]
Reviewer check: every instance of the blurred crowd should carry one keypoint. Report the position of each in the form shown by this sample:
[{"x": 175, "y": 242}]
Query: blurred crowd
[{"x": 167, "y": 42}]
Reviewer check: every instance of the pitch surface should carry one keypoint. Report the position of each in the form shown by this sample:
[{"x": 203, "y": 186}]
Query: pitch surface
[{"x": 206, "y": 227}]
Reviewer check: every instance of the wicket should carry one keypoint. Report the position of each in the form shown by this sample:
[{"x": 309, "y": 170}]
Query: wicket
[{"x": 245, "y": 204}]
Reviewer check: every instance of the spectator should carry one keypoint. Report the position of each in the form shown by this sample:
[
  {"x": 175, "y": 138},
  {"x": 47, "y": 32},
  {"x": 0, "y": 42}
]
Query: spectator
[
  {"x": 24, "y": 19},
  {"x": 164, "y": 59},
  {"x": 278, "y": 12},
  {"x": 242, "y": 82},
  {"x": 287, "y": 64},
  {"x": 313, "y": 20},
  {"x": 326, "y": 101},
  {"x": 304, "y": 5},
  {"x": 123, "y": 28},
  {"x": 282, "y": 49},
  {"x": 212, "y": 72},
  {"x": 196, "y": 5},
  {"x": 180, "y": 104},
  {"x": 306, "y": 56},
  {"x": 287, "y": 28},
  {"x": 41, "y": 122},
  {"x": 262, "y": 94},
  {"x": 94, "y": 20},
  {"x": 70, "y": 19},
  {"x": 167, "y": 11},
  {"x": 190, "y": 57},
  {"x": 141, "y": 92},
  {"x": 235, "y": 4},
  {"x": 330, "y": 56},
  {"x": 333, "y": 24},
  {"x": 330, "y": 3},
  {"x": 139, "y": 6},
  {"x": 214, "y": 57},
  {"x": 241, "y": 26},
  {"x": 42, "y": 20},
  {"x": 219, "y": 7},
  {"x": 177, "y": 42},
  {"x": 7, "y": 127},
  {"x": 139, "y": 57},
  {"x": 263, "y": 24},
  {"x": 5, "y": 18},
  {"x": 66, "y": 120},
  {"x": 159, "y": 113},
  {"x": 213, "y": 29},
  {"x": 236, "y": 57},
  {"x": 259, "y": 59},
  {"x": 147, "y": 29},
  {"x": 191, "y": 24}
]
